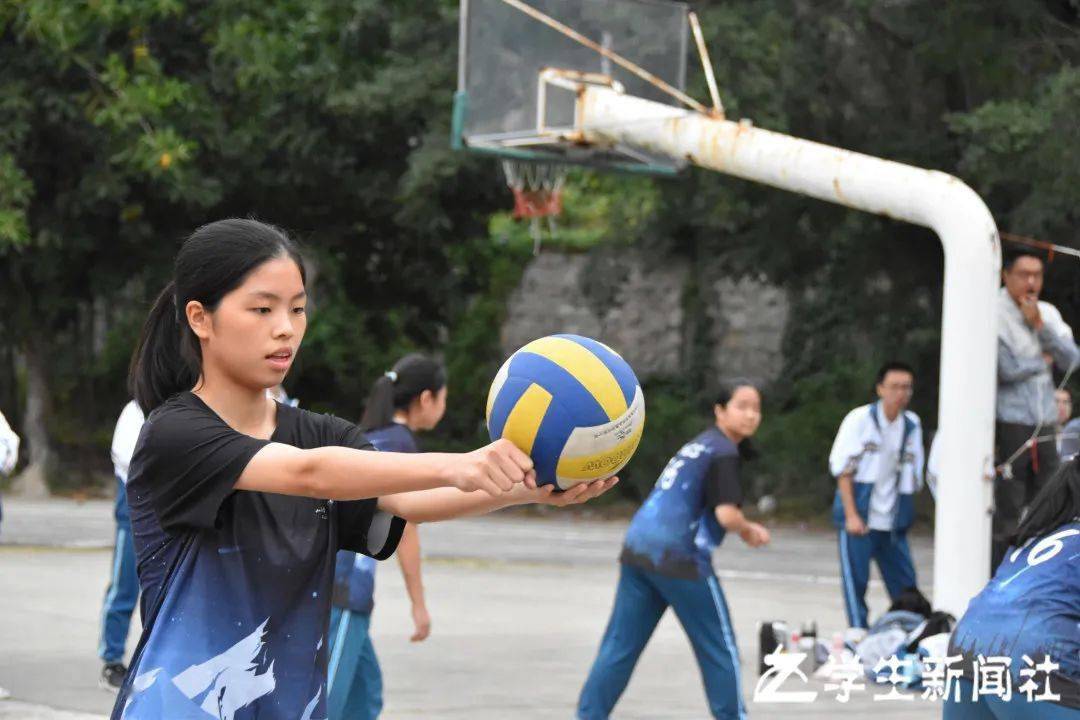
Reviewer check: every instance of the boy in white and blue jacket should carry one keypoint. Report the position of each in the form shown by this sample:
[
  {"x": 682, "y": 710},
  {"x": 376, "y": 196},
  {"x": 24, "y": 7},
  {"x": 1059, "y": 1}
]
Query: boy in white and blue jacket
[{"x": 877, "y": 460}]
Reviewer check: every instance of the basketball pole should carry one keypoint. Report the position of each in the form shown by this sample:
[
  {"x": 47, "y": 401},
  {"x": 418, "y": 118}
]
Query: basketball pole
[{"x": 929, "y": 198}]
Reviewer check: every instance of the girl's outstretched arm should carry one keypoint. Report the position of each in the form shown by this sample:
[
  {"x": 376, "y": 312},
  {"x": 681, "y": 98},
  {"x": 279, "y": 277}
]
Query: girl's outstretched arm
[
  {"x": 339, "y": 473},
  {"x": 447, "y": 503}
]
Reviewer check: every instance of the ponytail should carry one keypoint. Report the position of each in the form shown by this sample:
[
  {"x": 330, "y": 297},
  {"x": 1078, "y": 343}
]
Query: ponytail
[
  {"x": 1057, "y": 503},
  {"x": 399, "y": 387},
  {"x": 212, "y": 262},
  {"x": 165, "y": 361},
  {"x": 379, "y": 408}
]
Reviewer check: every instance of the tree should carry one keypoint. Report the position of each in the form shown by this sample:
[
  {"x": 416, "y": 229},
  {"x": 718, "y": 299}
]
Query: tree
[{"x": 129, "y": 123}]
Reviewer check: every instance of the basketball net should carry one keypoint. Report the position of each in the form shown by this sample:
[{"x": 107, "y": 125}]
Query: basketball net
[{"x": 537, "y": 188}]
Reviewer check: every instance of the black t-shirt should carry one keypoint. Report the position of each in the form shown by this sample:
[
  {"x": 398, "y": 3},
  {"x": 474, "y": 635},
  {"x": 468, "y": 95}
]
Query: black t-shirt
[
  {"x": 722, "y": 486},
  {"x": 236, "y": 584}
]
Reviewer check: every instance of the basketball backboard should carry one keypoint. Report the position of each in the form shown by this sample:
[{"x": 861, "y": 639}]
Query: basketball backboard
[{"x": 518, "y": 77}]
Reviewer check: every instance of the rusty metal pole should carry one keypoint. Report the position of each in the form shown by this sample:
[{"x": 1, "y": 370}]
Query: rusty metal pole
[{"x": 923, "y": 197}]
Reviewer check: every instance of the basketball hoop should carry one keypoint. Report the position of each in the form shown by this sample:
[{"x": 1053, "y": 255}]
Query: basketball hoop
[{"x": 537, "y": 188}]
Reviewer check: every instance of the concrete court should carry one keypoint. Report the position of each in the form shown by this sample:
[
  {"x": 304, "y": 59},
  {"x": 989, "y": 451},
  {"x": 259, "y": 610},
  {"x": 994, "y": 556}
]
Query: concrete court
[{"x": 518, "y": 607}]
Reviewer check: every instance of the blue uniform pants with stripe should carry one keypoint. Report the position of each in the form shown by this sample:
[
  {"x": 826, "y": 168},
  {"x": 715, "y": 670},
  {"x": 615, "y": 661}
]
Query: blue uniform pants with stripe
[
  {"x": 640, "y": 600},
  {"x": 123, "y": 591},
  {"x": 988, "y": 707},
  {"x": 353, "y": 679},
  {"x": 893, "y": 557}
]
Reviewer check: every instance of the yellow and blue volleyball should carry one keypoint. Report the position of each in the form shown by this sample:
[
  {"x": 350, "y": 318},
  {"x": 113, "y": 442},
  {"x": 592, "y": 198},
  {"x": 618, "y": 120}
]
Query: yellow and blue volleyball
[{"x": 573, "y": 404}]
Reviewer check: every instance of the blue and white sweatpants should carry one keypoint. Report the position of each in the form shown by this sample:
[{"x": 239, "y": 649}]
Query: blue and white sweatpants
[
  {"x": 354, "y": 678},
  {"x": 641, "y": 598},
  {"x": 893, "y": 557}
]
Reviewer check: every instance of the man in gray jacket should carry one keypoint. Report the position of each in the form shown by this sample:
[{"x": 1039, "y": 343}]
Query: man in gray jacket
[{"x": 1032, "y": 340}]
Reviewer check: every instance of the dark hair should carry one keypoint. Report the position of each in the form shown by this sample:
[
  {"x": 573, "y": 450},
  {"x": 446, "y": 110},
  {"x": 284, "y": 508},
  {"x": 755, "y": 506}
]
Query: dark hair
[
  {"x": 1014, "y": 254},
  {"x": 727, "y": 389},
  {"x": 1056, "y": 504},
  {"x": 396, "y": 389},
  {"x": 724, "y": 393},
  {"x": 212, "y": 262},
  {"x": 892, "y": 366}
]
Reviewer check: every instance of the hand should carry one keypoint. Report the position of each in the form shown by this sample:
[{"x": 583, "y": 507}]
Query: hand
[
  {"x": 421, "y": 623},
  {"x": 1048, "y": 359},
  {"x": 855, "y": 526},
  {"x": 754, "y": 535},
  {"x": 580, "y": 493},
  {"x": 494, "y": 468},
  {"x": 1029, "y": 307}
]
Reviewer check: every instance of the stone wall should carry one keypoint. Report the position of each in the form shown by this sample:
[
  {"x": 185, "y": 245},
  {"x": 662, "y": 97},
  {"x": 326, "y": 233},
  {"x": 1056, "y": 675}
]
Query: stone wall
[
  {"x": 748, "y": 319},
  {"x": 638, "y": 308}
]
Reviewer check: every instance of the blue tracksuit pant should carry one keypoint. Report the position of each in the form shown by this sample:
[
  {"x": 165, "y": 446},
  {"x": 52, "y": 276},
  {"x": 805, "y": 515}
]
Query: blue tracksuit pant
[
  {"x": 353, "y": 679},
  {"x": 123, "y": 590},
  {"x": 893, "y": 557},
  {"x": 641, "y": 598}
]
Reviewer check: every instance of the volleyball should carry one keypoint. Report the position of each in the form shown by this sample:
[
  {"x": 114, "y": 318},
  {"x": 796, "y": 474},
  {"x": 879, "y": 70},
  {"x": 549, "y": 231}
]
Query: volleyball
[{"x": 573, "y": 404}]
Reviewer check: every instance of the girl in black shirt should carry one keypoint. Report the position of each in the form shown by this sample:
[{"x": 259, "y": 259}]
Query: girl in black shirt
[{"x": 239, "y": 504}]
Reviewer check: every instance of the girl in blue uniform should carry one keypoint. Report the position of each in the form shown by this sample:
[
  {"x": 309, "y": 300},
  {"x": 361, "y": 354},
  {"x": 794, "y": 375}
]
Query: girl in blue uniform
[
  {"x": 409, "y": 398},
  {"x": 667, "y": 561},
  {"x": 239, "y": 504},
  {"x": 1030, "y": 608}
]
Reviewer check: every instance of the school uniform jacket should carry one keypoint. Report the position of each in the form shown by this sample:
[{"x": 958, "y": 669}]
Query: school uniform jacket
[{"x": 857, "y": 450}]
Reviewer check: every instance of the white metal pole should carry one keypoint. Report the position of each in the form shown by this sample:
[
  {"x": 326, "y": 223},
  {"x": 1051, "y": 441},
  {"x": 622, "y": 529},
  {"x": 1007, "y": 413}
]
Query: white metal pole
[
  {"x": 463, "y": 45},
  {"x": 924, "y": 197}
]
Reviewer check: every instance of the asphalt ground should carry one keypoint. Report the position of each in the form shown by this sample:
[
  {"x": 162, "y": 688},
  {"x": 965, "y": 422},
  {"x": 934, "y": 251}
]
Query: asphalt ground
[{"x": 518, "y": 607}]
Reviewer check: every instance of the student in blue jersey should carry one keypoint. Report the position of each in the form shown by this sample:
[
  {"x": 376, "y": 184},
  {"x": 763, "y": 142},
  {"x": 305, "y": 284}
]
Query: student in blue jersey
[
  {"x": 1029, "y": 613},
  {"x": 123, "y": 590},
  {"x": 409, "y": 398},
  {"x": 239, "y": 504},
  {"x": 667, "y": 561},
  {"x": 877, "y": 460}
]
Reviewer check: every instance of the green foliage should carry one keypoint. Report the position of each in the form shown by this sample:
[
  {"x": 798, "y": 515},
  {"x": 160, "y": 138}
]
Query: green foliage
[
  {"x": 597, "y": 208},
  {"x": 128, "y": 124},
  {"x": 674, "y": 413},
  {"x": 1022, "y": 153},
  {"x": 472, "y": 349},
  {"x": 797, "y": 430},
  {"x": 15, "y": 193}
]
